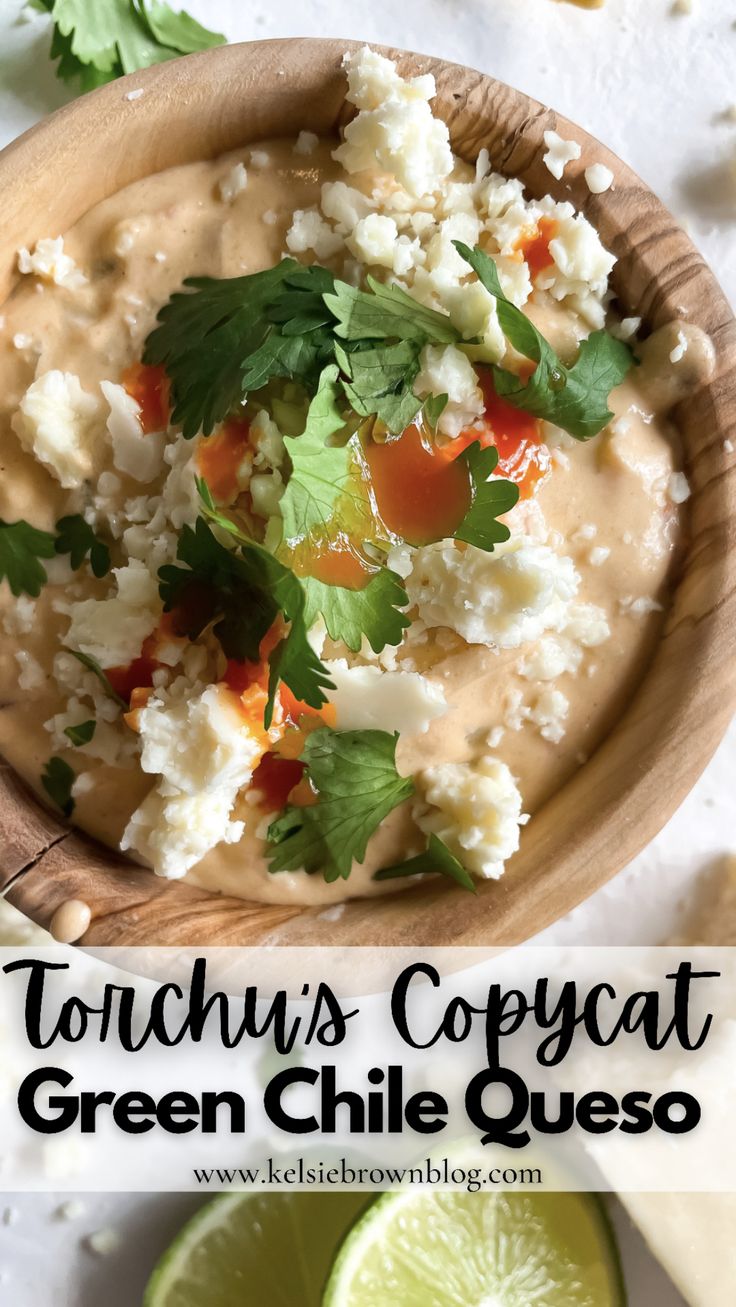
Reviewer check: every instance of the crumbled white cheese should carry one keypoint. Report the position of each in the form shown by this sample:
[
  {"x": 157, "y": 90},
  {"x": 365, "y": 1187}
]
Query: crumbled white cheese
[
  {"x": 366, "y": 698},
  {"x": 394, "y": 130},
  {"x": 586, "y": 624},
  {"x": 559, "y": 153},
  {"x": 549, "y": 713},
  {"x": 502, "y": 600},
  {"x": 344, "y": 205},
  {"x": 260, "y": 158},
  {"x": 309, "y": 231},
  {"x": 549, "y": 658},
  {"x": 475, "y": 809},
  {"x": 678, "y": 488},
  {"x": 373, "y": 240},
  {"x": 204, "y": 753},
  {"x": 20, "y": 618},
  {"x": 306, "y": 143},
  {"x": 639, "y": 606},
  {"x": 598, "y": 555},
  {"x": 73, "y": 1210},
  {"x": 113, "y": 630},
  {"x": 626, "y": 329},
  {"x": 31, "y": 675},
  {"x": 473, "y": 311},
  {"x": 48, "y": 261},
  {"x": 139, "y": 455},
  {"x": 728, "y": 446},
  {"x": 445, "y": 370},
  {"x": 583, "y": 264},
  {"x": 598, "y": 178},
  {"x": 59, "y": 423},
  {"x": 231, "y": 185},
  {"x": 266, "y": 491},
  {"x": 680, "y": 350}
]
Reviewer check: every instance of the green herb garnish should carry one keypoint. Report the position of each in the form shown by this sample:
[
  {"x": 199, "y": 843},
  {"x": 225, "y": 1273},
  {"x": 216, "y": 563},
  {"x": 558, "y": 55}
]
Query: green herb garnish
[
  {"x": 99, "y": 40},
  {"x": 93, "y": 666},
  {"x": 373, "y": 611},
  {"x": 242, "y": 592},
  {"x": 490, "y": 499},
  {"x": 436, "y": 858},
  {"x": 76, "y": 538},
  {"x": 355, "y": 776},
  {"x": 574, "y": 398},
  {"x": 57, "y": 779},
  {"x": 81, "y": 734},
  {"x": 320, "y": 472},
  {"x": 21, "y": 546}
]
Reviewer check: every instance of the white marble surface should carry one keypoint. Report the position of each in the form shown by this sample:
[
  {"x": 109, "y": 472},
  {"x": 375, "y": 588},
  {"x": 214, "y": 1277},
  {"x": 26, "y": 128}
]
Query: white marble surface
[{"x": 655, "y": 87}]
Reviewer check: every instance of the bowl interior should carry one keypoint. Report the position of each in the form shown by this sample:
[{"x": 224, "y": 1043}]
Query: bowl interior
[{"x": 206, "y": 104}]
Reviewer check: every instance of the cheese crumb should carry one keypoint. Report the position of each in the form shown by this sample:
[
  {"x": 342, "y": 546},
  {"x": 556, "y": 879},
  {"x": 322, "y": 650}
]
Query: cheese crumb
[
  {"x": 306, "y": 143},
  {"x": 59, "y": 422},
  {"x": 112, "y": 630},
  {"x": 373, "y": 240},
  {"x": 48, "y": 261},
  {"x": 626, "y": 329},
  {"x": 678, "y": 353},
  {"x": 368, "y": 699},
  {"x": 104, "y": 1242},
  {"x": 309, "y": 231},
  {"x": 394, "y": 131},
  {"x": 475, "y": 809},
  {"x": 230, "y": 186},
  {"x": 598, "y": 178},
  {"x": 135, "y": 453},
  {"x": 445, "y": 370},
  {"x": 203, "y": 752},
  {"x": 559, "y": 153},
  {"x": 678, "y": 488},
  {"x": 501, "y": 600}
]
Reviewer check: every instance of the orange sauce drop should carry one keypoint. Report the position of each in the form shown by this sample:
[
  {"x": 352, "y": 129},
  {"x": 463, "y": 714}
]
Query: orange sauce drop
[
  {"x": 219, "y": 459},
  {"x": 136, "y": 675},
  {"x": 522, "y": 455},
  {"x": 535, "y": 245},
  {"x": 421, "y": 495},
  {"x": 149, "y": 387}
]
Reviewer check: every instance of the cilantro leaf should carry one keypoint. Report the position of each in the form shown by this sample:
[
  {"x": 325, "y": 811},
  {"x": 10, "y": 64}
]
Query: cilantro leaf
[
  {"x": 76, "y": 538},
  {"x": 434, "y": 407},
  {"x": 57, "y": 779},
  {"x": 21, "y": 546},
  {"x": 386, "y": 313},
  {"x": 319, "y": 472},
  {"x": 81, "y": 734},
  {"x": 93, "y": 666},
  {"x": 100, "y": 42},
  {"x": 244, "y": 592},
  {"x": 490, "y": 499},
  {"x": 436, "y": 858},
  {"x": 379, "y": 382},
  {"x": 574, "y": 398},
  {"x": 373, "y": 611},
  {"x": 354, "y": 773},
  {"x": 221, "y": 339}
]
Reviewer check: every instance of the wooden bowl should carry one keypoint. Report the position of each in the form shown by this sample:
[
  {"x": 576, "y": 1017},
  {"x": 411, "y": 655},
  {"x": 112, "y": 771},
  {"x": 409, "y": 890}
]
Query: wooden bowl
[{"x": 209, "y": 103}]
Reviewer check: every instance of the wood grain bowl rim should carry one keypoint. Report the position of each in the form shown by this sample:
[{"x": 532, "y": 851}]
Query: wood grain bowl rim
[{"x": 208, "y": 103}]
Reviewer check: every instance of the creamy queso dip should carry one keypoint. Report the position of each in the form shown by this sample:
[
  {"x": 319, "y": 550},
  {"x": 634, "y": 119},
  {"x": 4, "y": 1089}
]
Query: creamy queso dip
[{"x": 511, "y": 703}]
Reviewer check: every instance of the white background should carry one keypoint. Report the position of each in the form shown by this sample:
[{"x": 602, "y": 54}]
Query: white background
[{"x": 657, "y": 89}]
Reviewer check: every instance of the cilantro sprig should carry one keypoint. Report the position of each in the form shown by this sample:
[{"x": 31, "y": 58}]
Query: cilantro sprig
[
  {"x": 357, "y": 784},
  {"x": 490, "y": 499},
  {"x": 374, "y": 611},
  {"x": 573, "y": 398},
  {"x": 57, "y": 779},
  {"x": 242, "y": 592},
  {"x": 75, "y": 537},
  {"x": 219, "y": 340},
  {"x": 99, "y": 40},
  {"x": 320, "y": 472},
  {"x": 81, "y": 733},
  {"x": 21, "y": 548},
  {"x": 435, "y": 858}
]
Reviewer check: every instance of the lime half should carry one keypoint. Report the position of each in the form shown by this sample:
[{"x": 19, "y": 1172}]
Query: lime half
[
  {"x": 447, "y": 1249},
  {"x": 255, "y": 1250}
]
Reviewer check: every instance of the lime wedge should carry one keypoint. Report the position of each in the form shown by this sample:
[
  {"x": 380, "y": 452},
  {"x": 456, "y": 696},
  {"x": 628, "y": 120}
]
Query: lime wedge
[
  {"x": 447, "y": 1249},
  {"x": 254, "y": 1250}
]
